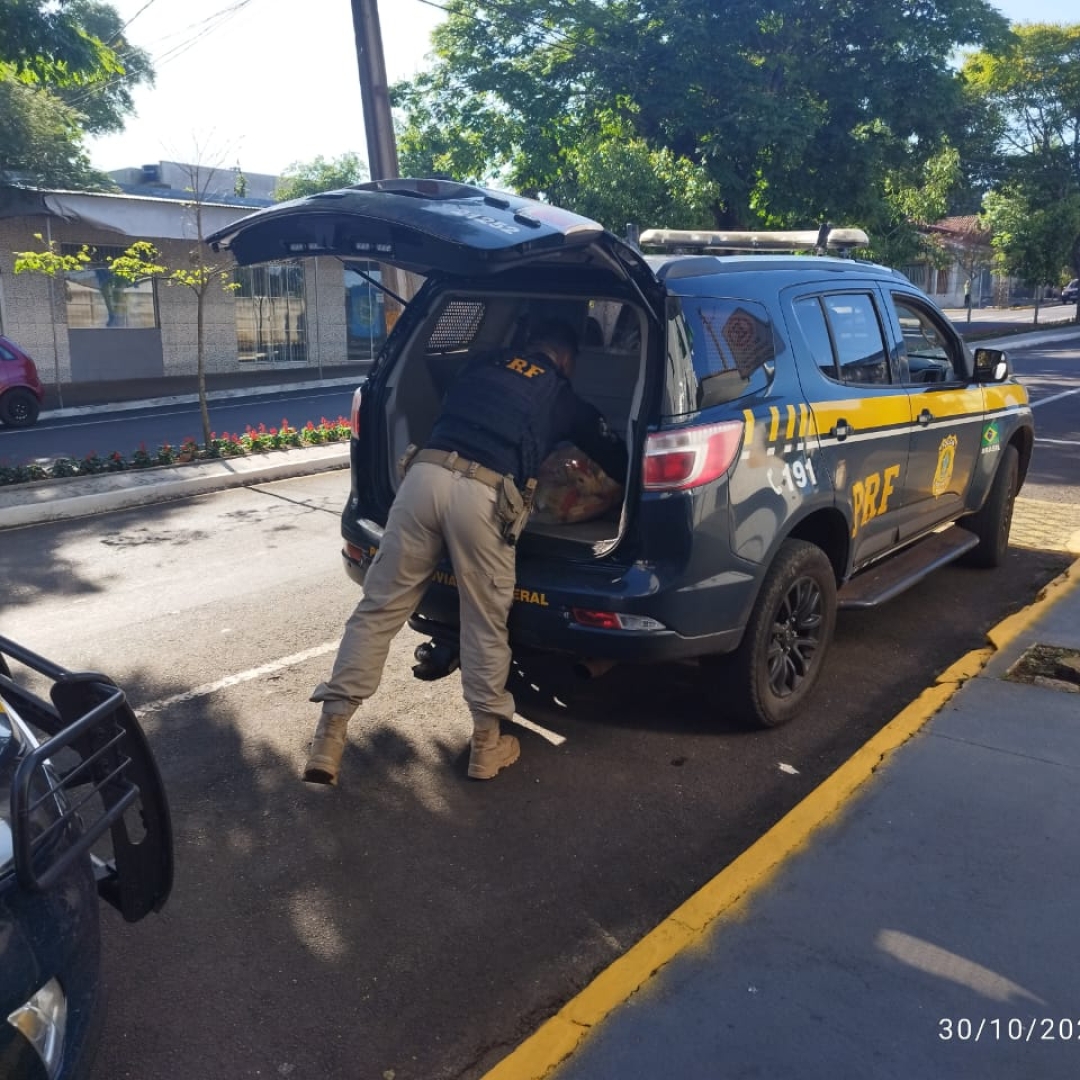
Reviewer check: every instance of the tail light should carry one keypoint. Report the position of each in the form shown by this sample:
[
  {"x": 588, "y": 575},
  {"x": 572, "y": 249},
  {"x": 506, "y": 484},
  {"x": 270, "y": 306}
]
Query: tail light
[
  {"x": 691, "y": 456},
  {"x": 354, "y": 414}
]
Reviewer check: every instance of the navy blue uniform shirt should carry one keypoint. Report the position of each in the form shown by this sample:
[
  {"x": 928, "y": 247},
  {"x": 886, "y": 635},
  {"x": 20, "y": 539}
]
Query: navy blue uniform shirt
[{"x": 509, "y": 412}]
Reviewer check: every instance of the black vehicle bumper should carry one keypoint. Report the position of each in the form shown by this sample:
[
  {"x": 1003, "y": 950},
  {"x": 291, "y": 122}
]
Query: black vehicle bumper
[{"x": 548, "y": 617}]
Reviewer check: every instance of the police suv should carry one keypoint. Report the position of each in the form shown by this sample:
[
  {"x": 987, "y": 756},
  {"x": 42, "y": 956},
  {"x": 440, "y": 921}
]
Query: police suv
[{"x": 806, "y": 433}]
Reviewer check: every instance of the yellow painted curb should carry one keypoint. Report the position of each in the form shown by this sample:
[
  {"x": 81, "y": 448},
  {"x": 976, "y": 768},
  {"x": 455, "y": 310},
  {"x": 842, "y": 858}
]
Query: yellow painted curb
[{"x": 555, "y": 1040}]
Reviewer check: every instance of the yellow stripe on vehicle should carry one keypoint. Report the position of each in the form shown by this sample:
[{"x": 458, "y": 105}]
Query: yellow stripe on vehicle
[
  {"x": 864, "y": 414},
  {"x": 1005, "y": 396}
]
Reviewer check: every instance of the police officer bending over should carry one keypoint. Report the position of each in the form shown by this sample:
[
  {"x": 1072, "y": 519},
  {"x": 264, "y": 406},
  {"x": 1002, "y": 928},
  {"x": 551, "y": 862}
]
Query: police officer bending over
[{"x": 461, "y": 496}]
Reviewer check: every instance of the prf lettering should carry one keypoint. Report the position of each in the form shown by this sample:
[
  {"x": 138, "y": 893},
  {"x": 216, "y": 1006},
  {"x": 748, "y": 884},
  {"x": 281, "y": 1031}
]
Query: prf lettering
[
  {"x": 870, "y": 496},
  {"x": 523, "y": 367}
]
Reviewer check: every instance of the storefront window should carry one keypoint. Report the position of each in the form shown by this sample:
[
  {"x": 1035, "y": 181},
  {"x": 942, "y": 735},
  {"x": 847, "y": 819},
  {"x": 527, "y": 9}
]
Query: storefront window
[
  {"x": 364, "y": 316},
  {"x": 98, "y": 299},
  {"x": 271, "y": 318}
]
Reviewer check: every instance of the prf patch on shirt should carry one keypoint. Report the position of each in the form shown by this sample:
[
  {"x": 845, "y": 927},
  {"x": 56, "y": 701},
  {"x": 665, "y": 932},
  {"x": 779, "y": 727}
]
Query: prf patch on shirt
[{"x": 526, "y": 368}]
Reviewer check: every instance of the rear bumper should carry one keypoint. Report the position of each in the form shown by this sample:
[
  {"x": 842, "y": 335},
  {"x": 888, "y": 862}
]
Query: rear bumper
[{"x": 542, "y": 619}]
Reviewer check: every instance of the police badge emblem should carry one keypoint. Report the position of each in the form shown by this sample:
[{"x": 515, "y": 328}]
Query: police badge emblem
[{"x": 946, "y": 459}]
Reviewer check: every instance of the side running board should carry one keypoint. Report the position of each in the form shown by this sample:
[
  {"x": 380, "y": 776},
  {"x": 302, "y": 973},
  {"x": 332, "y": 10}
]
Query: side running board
[{"x": 899, "y": 572}]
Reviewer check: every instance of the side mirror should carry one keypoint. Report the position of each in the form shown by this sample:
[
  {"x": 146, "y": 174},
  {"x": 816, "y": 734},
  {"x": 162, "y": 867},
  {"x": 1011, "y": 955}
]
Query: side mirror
[{"x": 991, "y": 366}]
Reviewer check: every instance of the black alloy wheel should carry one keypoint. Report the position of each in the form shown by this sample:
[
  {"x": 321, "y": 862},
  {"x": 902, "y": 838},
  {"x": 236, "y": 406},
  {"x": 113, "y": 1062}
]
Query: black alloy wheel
[{"x": 787, "y": 638}]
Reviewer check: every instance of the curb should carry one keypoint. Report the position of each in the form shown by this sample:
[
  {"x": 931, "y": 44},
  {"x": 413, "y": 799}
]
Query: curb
[
  {"x": 191, "y": 399},
  {"x": 557, "y": 1038},
  {"x": 83, "y": 496}
]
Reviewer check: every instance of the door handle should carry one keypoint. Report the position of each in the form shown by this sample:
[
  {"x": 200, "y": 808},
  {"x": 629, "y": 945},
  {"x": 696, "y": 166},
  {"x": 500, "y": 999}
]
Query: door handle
[
  {"x": 840, "y": 430},
  {"x": 925, "y": 417}
]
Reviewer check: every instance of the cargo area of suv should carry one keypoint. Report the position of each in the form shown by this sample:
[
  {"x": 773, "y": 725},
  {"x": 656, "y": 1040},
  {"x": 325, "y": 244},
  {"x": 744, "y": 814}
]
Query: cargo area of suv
[{"x": 609, "y": 374}]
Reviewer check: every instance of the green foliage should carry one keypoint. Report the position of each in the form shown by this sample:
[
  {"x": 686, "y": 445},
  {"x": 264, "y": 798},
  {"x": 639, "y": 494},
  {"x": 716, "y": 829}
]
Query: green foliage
[
  {"x": 619, "y": 181},
  {"x": 787, "y": 114},
  {"x": 1031, "y": 90},
  {"x": 105, "y": 100},
  {"x": 308, "y": 178},
  {"x": 1032, "y": 240},
  {"x": 913, "y": 197},
  {"x": 65, "y": 69},
  {"x": 42, "y": 141},
  {"x": 50, "y": 261},
  {"x": 141, "y": 261},
  {"x": 48, "y": 43}
]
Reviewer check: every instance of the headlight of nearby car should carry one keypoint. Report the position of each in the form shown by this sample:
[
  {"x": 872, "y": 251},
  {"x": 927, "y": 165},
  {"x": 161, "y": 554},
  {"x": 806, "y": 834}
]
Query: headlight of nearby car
[{"x": 43, "y": 1022}]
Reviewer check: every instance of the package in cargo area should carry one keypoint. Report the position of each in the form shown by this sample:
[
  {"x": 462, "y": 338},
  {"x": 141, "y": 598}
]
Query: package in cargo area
[{"x": 572, "y": 488}]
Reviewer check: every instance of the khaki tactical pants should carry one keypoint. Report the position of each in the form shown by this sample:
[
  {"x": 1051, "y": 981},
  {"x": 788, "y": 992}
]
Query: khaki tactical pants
[{"x": 435, "y": 511}]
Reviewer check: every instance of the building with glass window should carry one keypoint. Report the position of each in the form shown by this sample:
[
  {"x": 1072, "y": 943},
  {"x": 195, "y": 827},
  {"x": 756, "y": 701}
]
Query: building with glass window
[{"x": 90, "y": 325}]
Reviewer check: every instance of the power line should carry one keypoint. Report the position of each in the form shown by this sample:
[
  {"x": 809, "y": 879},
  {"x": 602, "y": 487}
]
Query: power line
[
  {"x": 563, "y": 42},
  {"x": 202, "y": 29}
]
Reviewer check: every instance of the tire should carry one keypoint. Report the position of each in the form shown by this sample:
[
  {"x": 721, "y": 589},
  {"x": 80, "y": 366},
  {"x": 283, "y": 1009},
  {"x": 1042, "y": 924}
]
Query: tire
[
  {"x": 787, "y": 637},
  {"x": 992, "y": 523},
  {"x": 19, "y": 408}
]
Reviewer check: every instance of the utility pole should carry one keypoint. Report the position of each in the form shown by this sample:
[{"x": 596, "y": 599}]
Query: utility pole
[
  {"x": 374, "y": 92},
  {"x": 378, "y": 124}
]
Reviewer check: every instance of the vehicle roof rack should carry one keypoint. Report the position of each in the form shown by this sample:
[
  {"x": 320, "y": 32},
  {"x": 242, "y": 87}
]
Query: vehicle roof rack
[{"x": 695, "y": 242}]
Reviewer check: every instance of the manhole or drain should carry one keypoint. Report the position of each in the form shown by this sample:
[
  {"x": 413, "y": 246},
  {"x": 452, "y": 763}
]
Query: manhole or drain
[{"x": 1050, "y": 666}]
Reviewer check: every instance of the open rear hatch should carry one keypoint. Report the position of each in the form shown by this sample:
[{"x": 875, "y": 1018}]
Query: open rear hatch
[
  {"x": 495, "y": 262},
  {"x": 423, "y": 226}
]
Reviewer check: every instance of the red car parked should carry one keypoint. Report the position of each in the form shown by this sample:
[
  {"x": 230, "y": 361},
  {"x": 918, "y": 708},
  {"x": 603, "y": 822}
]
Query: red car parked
[{"x": 21, "y": 392}]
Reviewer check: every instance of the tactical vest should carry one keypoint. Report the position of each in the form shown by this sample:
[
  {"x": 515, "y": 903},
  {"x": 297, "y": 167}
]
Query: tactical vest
[{"x": 499, "y": 413}]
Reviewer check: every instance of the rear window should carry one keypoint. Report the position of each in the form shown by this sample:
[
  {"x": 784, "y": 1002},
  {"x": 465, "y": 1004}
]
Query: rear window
[{"x": 733, "y": 346}]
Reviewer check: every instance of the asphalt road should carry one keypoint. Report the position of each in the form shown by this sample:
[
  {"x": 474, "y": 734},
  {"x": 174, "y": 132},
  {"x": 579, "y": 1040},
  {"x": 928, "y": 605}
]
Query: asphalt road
[
  {"x": 125, "y": 430},
  {"x": 412, "y": 923}
]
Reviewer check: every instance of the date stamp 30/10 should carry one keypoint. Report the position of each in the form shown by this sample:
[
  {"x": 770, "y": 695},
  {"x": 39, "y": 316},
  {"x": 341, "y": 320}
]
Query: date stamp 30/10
[{"x": 1009, "y": 1029}]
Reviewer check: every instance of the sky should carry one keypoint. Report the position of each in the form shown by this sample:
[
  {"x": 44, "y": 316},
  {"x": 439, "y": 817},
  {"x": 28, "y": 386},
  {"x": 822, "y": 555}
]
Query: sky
[{"x": 267, "y": 83}]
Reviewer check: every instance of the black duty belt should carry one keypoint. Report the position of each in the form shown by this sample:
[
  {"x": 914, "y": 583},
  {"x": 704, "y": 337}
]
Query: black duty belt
[{"x": 452, "y": 460}]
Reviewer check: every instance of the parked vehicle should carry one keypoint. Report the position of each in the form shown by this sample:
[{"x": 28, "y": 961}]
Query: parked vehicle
[
  {"x": 21, "y": 392},
  {"x": 1070, "y": 292},
  {"x": 83, "y": 816},
  {"x": 805, "y": 432}
]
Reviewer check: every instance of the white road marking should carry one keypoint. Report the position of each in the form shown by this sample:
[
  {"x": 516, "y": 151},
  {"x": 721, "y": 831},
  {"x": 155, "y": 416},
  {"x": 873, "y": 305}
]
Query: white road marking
[
  {"x": 551, "y": 736},
  {"x": 240, "y": 677},
  {"x": 274, "y": 667},
  {"x": 1055, "y": 397}
]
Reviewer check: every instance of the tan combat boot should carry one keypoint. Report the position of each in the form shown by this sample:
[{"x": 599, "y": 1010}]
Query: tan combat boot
[
  {"x": 327, "y": 746},
  {"x": 489, "y": 752}
]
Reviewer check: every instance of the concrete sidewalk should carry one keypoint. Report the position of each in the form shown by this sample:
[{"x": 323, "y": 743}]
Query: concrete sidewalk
[{"x": 914, "y": 917}]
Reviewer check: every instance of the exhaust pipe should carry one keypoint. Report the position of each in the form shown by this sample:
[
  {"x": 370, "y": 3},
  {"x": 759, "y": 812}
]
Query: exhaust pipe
[{"x": 592, "y": 669}]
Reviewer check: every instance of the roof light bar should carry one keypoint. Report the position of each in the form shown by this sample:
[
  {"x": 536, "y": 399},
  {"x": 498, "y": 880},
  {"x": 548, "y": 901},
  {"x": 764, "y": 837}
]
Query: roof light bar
[{"x": 687, "y": 240}]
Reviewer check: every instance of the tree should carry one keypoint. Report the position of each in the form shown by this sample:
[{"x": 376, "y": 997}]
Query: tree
[
  {"x": 143, "y": 260},
  {"x": 796, "y": 113},
  {"x": 41, "y": 139},
  {"x": 105, "y": 103},
  {"x": 307, "y": 178},
  {"x": 65, "y": 69},
  {"x": 1032, "y": 240},
  {"x": 912, "y": 200},
  {"x": 1031, "y": 87}
]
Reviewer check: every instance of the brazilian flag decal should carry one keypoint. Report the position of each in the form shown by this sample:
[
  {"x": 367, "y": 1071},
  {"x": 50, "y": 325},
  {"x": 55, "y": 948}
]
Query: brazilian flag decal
[{"x": 991, "y": 439}]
